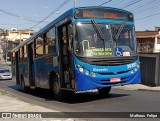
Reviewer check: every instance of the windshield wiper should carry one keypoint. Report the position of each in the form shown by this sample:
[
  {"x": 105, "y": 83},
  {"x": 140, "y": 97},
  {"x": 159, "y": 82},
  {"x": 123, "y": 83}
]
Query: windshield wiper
[
  {"x": 97, "y": 29},
  {"x": 119, "y": 30}
]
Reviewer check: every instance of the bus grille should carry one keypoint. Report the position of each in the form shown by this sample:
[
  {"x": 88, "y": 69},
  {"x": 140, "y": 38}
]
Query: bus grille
[
  {"x": 109, "y": 61},
  {"x": 113, "y": 62},
  {"x": 111, "y": 73}
]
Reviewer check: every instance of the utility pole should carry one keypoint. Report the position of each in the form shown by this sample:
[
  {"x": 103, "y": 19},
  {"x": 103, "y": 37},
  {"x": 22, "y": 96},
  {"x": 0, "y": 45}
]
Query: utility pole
[
  {"x": 6, "y": 46},
  {"x": 74, "y": 3},
  {"x": 2, "y": 32}
]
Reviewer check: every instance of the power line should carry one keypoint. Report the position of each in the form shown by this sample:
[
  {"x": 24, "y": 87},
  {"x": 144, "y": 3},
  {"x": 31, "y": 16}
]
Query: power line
[
  {"x": 143, "y": 5},
  {"x": 149, "y": 9},
  {"x": 53, "y": 12},
  {"x": 15, "y": 15},
  {"x": 126, "y": 4},
  {"x": 2, "y": 23},
  {"x": 147, "y": 16},
  {"x": 105, "y": 2},
  {"x": 135, "y": 2},
  {"x": 132, "y": 3}
]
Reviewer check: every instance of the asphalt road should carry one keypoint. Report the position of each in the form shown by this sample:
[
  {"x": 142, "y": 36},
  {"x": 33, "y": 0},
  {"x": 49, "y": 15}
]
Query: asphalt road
[{"x": 117, "y": 100}]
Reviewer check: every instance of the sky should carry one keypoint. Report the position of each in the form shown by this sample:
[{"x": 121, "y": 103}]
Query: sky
[{"x": 25, "y": 14}]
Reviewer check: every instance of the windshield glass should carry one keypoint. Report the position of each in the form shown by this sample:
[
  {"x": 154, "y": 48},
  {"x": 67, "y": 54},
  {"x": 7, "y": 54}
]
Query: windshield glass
[
  {"x": 87, "y": 42},
  {"x": 4, "y": 71},
  {"x": 125, "y": 40}
]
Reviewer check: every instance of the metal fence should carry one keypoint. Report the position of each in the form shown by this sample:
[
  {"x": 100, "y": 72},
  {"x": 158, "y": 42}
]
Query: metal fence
[{"x": 150, "y": 69}]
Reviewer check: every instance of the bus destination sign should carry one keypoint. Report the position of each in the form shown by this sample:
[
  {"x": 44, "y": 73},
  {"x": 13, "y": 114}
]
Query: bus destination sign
[{"x": 103, "y": 14}]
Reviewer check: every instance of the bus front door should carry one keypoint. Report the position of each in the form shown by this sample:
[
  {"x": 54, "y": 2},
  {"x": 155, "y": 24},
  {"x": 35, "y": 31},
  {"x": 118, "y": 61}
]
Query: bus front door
[{"x": 66, "y": 76}]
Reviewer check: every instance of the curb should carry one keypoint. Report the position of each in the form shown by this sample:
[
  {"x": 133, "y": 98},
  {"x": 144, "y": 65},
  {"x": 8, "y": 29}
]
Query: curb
[
  {"x": 151, "y": 90},
  {"x": 140, "y": 89}
]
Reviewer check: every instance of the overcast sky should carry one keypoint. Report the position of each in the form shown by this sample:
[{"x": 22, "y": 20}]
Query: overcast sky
[{"x": 24, "y": 14}]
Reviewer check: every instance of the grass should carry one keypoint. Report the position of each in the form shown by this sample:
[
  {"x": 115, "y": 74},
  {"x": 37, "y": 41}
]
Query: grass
[{"x": 2, "y": 92}]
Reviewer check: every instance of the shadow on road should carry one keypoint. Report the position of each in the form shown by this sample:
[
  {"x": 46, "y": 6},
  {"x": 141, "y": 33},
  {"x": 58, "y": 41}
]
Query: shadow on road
[{"x": 70, "y": 97}]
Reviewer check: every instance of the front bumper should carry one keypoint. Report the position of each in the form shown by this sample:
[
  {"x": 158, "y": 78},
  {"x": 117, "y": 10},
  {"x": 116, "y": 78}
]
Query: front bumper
[
  {"x": 84, "y": 82},
  {"x": 5, "y": 77}
]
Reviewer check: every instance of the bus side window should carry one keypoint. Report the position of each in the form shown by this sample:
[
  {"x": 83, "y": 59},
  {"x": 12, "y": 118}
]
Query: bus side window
[
  {"x": 20, "y": 55},
  {"x": 39, "y": 46},
  {"x": 25, "y": 53},
  {"x": 13, "y": 58},
  {"x": 50, "y": 42}
]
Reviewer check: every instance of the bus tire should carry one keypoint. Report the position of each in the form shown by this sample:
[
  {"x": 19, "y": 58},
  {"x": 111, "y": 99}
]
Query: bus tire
[
  {"x": 23, "y": 86},
  {"x": 104, "y": 91},
  {"x": 57, "y": 92}
]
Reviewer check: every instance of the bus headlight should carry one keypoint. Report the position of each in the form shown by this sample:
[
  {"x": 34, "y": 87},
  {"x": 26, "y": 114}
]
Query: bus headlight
[
  {"x": 81, "y": 69},
  {"x": 94, "y": 74},
  {"x": 132, "y": 72},
  {"x": 136, "y": 69},
  {"x": 78, "y": 66},
  {"x": 87, "y": 72}
]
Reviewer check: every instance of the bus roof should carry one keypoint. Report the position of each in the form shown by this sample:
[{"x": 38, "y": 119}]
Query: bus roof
[{"x": 69, "y": 12}]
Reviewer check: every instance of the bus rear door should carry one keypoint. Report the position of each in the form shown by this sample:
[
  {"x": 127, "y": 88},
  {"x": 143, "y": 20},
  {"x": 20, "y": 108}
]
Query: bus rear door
[
  {"x": 17, "y": 67},
  {"x": 30, "y": 64}
]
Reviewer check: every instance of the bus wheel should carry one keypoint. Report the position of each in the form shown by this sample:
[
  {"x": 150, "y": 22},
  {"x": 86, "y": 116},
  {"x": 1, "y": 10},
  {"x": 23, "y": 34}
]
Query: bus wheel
[
  {"x": 57, "y": 92},
  {"x": 104, "y": 91}
]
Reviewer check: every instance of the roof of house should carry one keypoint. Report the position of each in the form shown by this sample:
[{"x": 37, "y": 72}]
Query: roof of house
[{"x": 147, "y": 34}]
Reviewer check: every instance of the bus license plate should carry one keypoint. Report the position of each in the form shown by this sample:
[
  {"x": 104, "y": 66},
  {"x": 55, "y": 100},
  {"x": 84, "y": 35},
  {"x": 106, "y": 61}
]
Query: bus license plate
[{"x": 115, "y": 79}]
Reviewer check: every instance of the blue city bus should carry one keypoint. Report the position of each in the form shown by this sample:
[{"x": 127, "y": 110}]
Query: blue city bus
[{"x": 86, "y": 48}]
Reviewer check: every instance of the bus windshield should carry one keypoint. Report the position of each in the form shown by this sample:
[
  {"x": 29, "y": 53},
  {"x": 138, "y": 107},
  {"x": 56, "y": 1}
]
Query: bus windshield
[{"x": 88, "y": 44}]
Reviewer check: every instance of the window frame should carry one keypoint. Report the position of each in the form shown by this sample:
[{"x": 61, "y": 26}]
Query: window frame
[
  {"x": 42, "y": 45},
  {"x": 47, "y": 42}
]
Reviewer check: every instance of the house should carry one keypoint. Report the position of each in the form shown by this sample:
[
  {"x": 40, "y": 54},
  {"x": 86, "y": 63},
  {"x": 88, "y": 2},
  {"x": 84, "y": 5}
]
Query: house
[
  {"x": 10, "y": 39},
  {"x": 149, "y": 54},
  {"x": 148, "y": 41}
]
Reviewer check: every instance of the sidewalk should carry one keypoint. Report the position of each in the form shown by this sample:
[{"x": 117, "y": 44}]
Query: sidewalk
[
  {"x": 138, "y": 87},
  {"x": 10, "y": 104}
]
